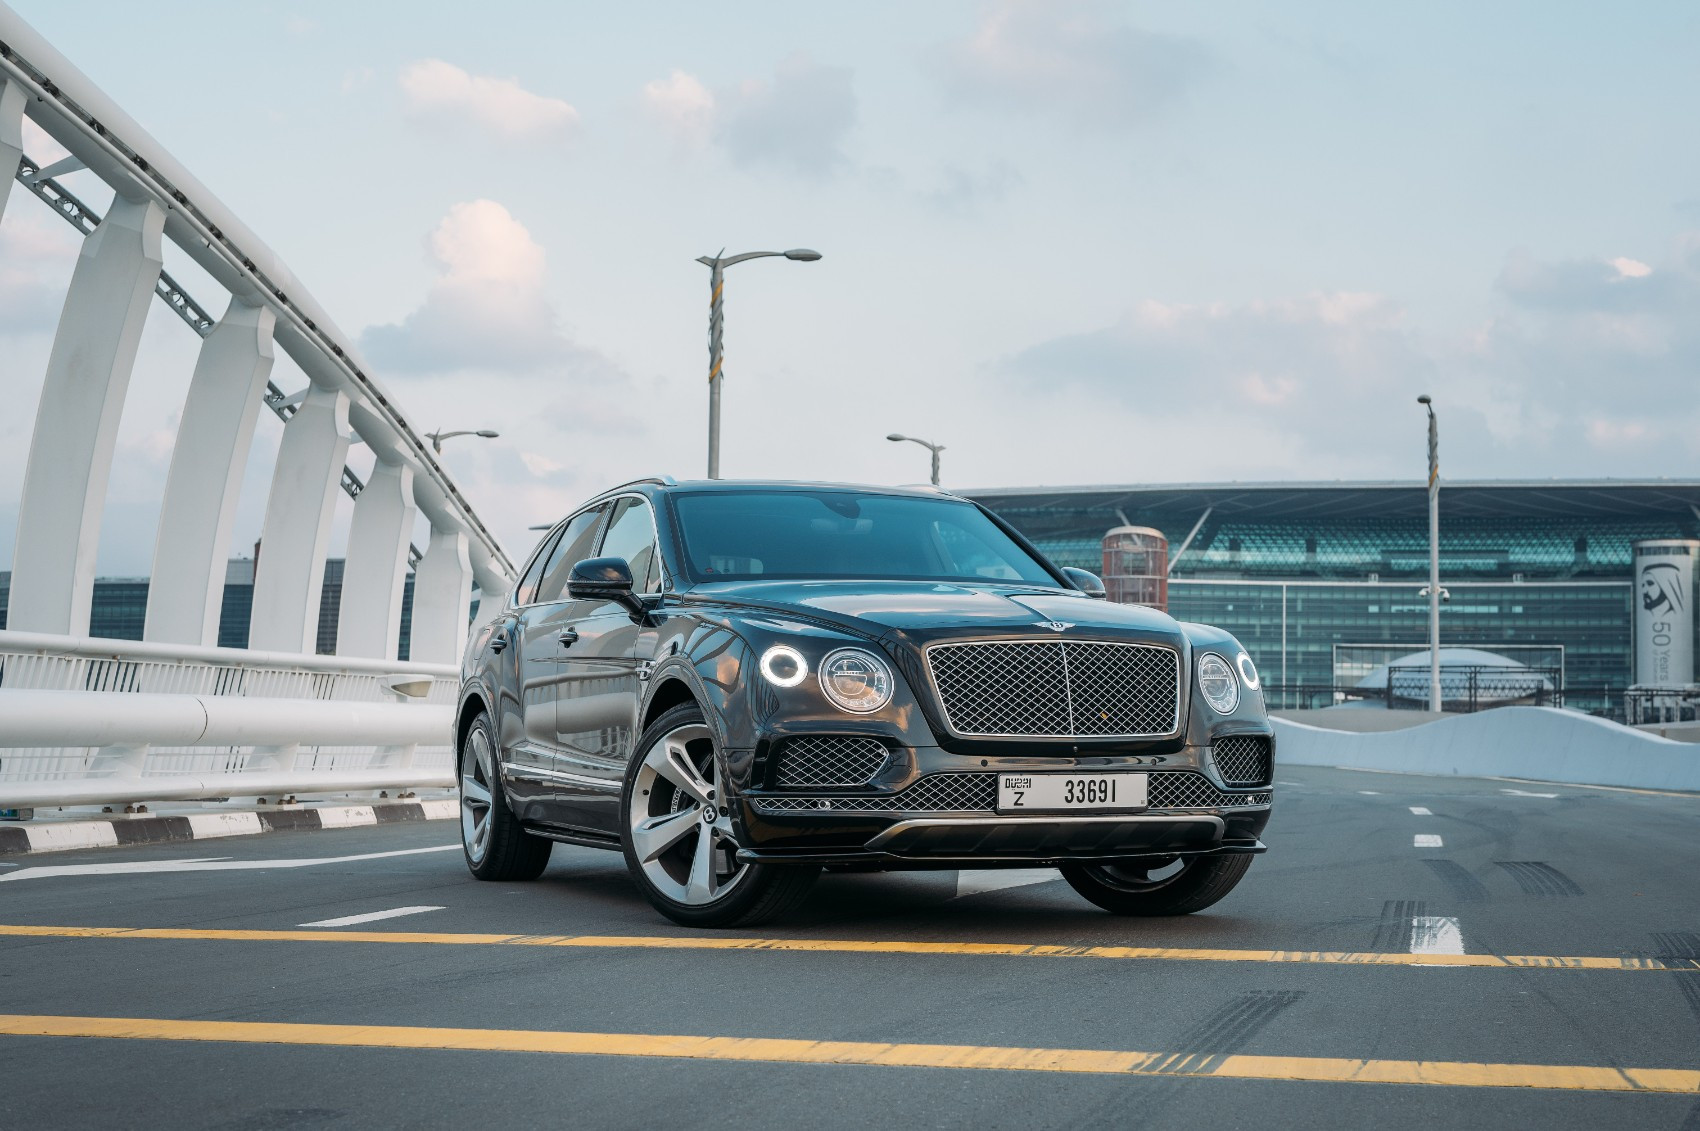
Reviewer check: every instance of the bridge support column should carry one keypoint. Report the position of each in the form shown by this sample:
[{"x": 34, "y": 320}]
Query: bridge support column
[
  {"x": 369, "y": 620},
  {"x": 442, "y": 598},
  {"x": 12, "y": 99},
  {"x": 290, "y": 574},
  {"x": 76, "y": 424},
  {"x": 186, "y": 594}
]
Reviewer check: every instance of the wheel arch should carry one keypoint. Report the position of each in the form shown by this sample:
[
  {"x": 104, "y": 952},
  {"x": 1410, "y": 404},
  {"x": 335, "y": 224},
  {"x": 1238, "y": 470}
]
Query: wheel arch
[
  {"x": 470, "y": 708},
  {"x": 669, "y": 693}
]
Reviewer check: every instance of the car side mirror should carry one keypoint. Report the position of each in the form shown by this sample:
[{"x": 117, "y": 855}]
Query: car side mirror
[
  {"x": 1086, "y": 581},
  {"x": 603, "y": 579}
]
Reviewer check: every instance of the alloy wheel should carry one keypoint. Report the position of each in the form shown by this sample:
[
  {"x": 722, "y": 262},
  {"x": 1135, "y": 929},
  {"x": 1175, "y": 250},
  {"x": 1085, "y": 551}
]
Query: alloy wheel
[
  {"x": 681, "y": 833},
  {"x": 477, "y": 773}
]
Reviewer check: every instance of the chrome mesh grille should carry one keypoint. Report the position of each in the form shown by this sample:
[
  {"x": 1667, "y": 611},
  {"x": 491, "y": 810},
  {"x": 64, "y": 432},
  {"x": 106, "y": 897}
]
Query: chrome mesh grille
[
  {"x": 825, "y": 760},
  {"x": 978, "y": 793},
  {"x": 1058, "y": 689},
  {"x": 1243, "y": 759}
]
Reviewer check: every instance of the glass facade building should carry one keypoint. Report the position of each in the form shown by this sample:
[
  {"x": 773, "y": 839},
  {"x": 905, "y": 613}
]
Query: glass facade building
[
  {"x": 1317, "y": 580},
  {"x": 120, "y": 606}
]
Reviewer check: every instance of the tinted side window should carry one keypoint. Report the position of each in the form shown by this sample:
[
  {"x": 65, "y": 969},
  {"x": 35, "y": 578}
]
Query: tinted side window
[
  {"x": 632, "y": 536},
  {"x": 526, "y": 591},
  {"x": 576, "y": 544}
]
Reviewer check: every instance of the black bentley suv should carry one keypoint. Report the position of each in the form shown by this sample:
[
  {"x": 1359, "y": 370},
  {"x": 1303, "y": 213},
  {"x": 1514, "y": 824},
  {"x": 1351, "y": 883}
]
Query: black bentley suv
[{"x": 737, "y": 684}]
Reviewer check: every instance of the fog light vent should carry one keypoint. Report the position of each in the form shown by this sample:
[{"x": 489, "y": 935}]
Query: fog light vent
[{"x": 829, "y": 760}]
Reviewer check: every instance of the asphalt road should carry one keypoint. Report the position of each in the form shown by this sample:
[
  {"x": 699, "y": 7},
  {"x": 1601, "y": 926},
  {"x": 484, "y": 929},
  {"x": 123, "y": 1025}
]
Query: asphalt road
[{"x": 556, "y": 1002}]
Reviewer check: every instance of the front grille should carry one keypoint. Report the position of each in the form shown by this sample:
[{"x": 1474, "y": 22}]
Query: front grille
[
  {"x": 1243, "y": 759},
  {"x": 1058, "y": 689},
  {"x": 826, "y": 760},
  {"x": 978, "y": 793}
]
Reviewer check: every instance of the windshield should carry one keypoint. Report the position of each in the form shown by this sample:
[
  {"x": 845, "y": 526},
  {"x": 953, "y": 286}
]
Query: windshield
[{"x": 752, "y": 535}]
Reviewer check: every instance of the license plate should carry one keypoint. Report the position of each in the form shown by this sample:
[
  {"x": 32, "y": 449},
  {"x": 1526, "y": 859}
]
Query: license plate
[{"x": 1061, "y": 793}]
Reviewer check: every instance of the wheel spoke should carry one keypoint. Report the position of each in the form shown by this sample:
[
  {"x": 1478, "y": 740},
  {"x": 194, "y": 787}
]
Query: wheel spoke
[
  {"x": 703, "y": 884},
  {"x": 673, "y": 762},
  {"x": 656, "y": 835},
  {"x": 473, "y": 792}
]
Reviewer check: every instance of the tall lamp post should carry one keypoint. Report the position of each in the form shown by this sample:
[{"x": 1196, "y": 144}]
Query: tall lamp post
[
  {"x": 928, "y": 444},
  {"x": 437, "y": 438},
  {"x": 717, "y": 265},
  {"x": 1433, "y": 555}
]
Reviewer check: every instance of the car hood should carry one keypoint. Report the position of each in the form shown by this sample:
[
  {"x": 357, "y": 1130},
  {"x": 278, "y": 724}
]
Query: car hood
[{"x": 926, "y": 610}]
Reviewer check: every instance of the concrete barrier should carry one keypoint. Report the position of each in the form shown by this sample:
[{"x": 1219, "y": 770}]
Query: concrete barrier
[{"x": 1538, "y": 743}]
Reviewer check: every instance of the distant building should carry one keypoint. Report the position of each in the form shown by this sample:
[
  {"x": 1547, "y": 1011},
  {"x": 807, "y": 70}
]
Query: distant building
[
  {"x": 120, "y": 606},
  {"x": 1320, "y": 581}
]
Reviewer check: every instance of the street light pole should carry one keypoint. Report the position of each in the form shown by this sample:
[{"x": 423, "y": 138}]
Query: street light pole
[
  {"x": 717, "y": 265},
  {"x": 1434, "y": 701},
  {"x": 934, "y": 448},
  {"x": 437, "y": 438}
]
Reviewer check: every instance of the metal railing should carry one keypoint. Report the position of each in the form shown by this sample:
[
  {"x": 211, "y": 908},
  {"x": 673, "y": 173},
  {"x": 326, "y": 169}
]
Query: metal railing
[
  {"x": 1643, "y": 705},
  {"x": 1464, "y": 688},
  {"x": 90, "y": 721}
]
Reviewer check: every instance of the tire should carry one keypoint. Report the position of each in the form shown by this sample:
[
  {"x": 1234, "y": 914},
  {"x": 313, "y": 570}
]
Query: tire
[
  {"x": 671, "y": 808},
  {"x": 495, "y": 846},
  {"x": 1146, "y": 887}
]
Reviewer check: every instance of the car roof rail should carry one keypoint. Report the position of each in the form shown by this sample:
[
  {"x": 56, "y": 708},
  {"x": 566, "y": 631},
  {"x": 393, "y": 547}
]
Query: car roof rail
[{"x": 659, "y": 480}]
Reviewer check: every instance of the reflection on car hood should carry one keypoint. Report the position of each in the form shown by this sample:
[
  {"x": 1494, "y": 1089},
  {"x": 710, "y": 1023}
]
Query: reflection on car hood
[{"x": 928, "y": 608}]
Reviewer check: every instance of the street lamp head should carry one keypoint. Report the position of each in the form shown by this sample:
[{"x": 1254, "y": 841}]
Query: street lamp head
[
  {"x": 1425, "y": 399},
  {"x": 487, "y": 434},
  {"x": 802, "y": 254},
  {"x": 897, "y": 436}
]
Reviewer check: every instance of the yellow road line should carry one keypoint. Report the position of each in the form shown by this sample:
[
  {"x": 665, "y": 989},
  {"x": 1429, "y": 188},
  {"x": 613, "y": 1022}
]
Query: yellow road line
[
  {"x": 1461, "y": 1074},
  {"x": 868, "y": 946}
]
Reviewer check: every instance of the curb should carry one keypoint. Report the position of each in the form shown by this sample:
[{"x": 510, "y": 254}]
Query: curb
[{"x": 18, "y": 839}]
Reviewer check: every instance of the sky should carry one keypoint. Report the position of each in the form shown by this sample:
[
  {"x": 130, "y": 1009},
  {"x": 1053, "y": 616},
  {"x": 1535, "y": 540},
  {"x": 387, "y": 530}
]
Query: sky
[{"x": 1075, "y": 241}]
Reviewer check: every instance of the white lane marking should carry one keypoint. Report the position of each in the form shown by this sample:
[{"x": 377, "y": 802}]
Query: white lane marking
[
  {"x": 1289, "y": 783},
  {"x": 82, "y": 834},
  {"x": 1419, "y": 811},
  {"x": 374, "y": 916},
  {"x": 212, "y": 865},
  {"x": 1526, "y": 793},
  {"x": 208, "y": 825},
  {"x": 1426, "y": 840},
  {"x": 980, "y": 880},
  {"x": 440, "y": 809},
  {"x": 1369, "y": 793},
  {"x": 346, "y": 816},
  {"x": 1436, "y": 934}
]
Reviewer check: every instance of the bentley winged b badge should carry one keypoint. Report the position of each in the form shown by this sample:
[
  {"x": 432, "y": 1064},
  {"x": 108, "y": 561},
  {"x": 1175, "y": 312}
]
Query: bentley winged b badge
[{"x": 1056, "y": 625}]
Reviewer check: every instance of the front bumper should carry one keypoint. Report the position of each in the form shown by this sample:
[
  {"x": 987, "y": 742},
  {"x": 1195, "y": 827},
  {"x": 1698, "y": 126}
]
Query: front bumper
[{"x": 948, "y": 818}]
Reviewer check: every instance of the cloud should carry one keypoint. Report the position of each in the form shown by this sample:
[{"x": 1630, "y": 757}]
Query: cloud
[
  {"x": 683, "y": 106},
  {"x": 487, "y": 309},
  {"x": 37, "y": 255},
  {"x": 962, "y": 191},
  {"x": 436, "y": 89},
  {"x": 1075, "y": 58},
  {"x": 1585, "y": 365},
  {"x": 798, "y": 120}
]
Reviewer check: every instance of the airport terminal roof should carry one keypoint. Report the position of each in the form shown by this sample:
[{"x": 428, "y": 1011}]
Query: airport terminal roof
[{"x": 1342, "y": 500}]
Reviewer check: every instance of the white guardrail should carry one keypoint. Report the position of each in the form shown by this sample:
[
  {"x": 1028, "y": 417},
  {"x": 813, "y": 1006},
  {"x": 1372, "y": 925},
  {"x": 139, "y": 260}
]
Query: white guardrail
[{"x": 89, "y": 722}]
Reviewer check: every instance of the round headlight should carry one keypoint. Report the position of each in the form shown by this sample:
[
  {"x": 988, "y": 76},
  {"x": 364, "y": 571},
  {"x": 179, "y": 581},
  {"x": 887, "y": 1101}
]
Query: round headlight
[
  {"x": 1216, "y": 681},
  {"x": 784, "y": 666},
  {"x": 1248, "y": 670},
  {"x": 855, "y": 680}
]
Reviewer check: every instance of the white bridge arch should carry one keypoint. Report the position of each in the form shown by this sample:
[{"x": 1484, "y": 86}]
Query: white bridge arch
[{"x": 125, "y": 736}]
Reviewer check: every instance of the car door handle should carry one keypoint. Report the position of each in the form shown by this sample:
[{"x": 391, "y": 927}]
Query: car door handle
[{"x": 569, "y": 637}]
